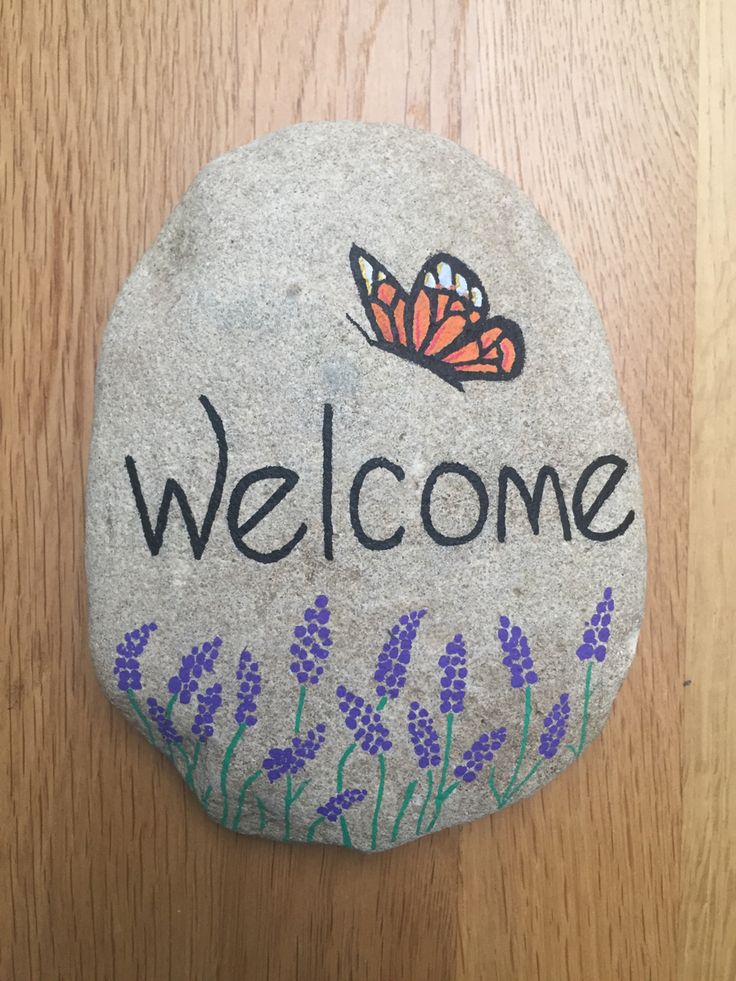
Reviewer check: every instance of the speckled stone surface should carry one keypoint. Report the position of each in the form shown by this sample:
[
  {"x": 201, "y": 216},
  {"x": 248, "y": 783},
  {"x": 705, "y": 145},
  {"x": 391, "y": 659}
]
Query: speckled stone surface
[{"x": 365, "y": 544}]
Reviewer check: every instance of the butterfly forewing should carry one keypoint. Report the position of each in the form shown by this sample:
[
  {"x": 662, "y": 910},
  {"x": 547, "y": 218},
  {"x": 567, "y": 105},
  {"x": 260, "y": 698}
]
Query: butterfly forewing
[
  {"x": 384, "y": 300},
  {"x": 448, "y": 305}
]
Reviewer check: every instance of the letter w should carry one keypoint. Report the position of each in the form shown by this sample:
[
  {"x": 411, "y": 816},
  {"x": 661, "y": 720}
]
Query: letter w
[{"x": 198, "y": 539}]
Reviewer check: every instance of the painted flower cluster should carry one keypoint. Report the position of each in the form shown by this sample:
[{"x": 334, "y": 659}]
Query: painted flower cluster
[{"x": 363, "y": 722}]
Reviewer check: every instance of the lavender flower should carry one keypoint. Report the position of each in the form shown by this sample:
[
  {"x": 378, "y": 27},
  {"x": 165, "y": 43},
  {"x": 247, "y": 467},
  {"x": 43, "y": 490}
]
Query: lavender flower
[
  {"x": 312, "y": 643},
  {"x": 452, "y": 682},
  {"x": 166, "y": 728},
  {"x": 204, "y": 720},
  {"x": 390, "y": 674},
  {"x": 597, "y": 634},
  {"x": 423, "y": 736},
  {"x": 292, "y": 759},
  {"x": 127, "y": 666},
  {"x": 185, "y": 682},
  {"x": 336, "y": 805},
  {"x": 479, "y": 753},
  {"x": 305, "y": 748},
  {"x": 249, "y": 676},
  {"x": 555, "y": 725},
  {"x": 518, "y": 657},
  {"x": 365, "y": 724}
]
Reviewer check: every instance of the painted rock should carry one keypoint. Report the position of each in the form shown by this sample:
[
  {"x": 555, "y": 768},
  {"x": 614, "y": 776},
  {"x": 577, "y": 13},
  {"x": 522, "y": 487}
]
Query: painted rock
[{"x": 365, "y": 545}]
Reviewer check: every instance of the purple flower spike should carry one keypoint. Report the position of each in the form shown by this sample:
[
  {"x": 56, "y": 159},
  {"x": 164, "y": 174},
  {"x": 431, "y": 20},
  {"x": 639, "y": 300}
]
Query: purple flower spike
[
  {"x": 364, "y": 723},
  {"x": 340, "y": 803},
  {"x": 306, "y": 747},
  {"x": 518, "y": 657},
  {"x": 312, "y": 642},
  {"x": 204, "y": 720},
  {"x": 555, "y": 726},
  {"x": 423, "y": 736},
  {"x": 166, "y": 728},
  {"x": 278, "y": 762},
  {"x": 390, "y": 676},
  {"x": 479, "y": 753},
  {"x": 293, "y": 758},
  {"x": 127, "y": 667},
  {"x": 249, "y": 676},
  {"x": 452, "y": 682},
  {"x": 598, "y": 630},
  {"x": 186, "y": 681}
]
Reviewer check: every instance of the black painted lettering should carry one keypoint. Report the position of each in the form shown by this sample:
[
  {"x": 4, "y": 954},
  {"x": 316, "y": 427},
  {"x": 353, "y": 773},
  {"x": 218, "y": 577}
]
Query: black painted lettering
[
  {"x": 532, "y": 501},
  {"x": 584, "y": 518},
  {"x": 426, "y": 506},
  {"x": 375, "y": 544},
  {"x": 197, "y": 538},
  {"x": 289, "y": 479}
]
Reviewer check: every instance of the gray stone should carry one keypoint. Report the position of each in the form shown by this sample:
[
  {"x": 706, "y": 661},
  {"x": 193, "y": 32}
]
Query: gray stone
[{"x": 244, "y": 360}]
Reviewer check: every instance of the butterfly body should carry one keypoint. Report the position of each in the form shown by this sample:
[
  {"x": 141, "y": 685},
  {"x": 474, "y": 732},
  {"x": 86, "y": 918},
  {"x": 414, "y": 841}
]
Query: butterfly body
[{"x": 442, "y": 324}]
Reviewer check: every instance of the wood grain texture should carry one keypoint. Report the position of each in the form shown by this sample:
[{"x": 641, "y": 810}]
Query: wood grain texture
[
  {"x": 708, "y": 867},
  {"x": 622, "y": 868}
]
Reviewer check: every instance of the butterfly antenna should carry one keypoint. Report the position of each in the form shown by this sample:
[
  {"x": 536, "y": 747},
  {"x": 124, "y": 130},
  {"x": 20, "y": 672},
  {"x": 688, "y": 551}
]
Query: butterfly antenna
[{"x": 365, "y": 334}]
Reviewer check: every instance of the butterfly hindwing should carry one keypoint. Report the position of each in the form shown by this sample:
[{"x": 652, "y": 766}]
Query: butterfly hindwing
[
  {"x": 497, "y": 354},
  {"x": 384, "y": 300}
]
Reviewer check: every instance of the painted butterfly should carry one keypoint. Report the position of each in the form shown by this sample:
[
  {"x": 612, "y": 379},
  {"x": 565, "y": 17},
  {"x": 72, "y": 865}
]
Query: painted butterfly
[{"x": 442, "y": 325}]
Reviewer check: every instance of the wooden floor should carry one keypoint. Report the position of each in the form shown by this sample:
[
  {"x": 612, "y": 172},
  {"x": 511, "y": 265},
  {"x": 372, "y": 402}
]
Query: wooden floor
[{"x": 618, "y": 120}]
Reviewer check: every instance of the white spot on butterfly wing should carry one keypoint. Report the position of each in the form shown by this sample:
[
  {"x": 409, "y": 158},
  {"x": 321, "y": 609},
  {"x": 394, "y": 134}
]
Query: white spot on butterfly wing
[
  {"x": 461, "y": 285},
  {"x": 366, "y": 271},
  {"x": 430, "y": 281},
  {"x": 444, "y": 274},
  {"x": 476, "y": 297}
]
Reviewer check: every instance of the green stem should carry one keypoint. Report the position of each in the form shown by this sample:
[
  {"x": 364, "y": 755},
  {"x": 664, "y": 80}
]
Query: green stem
[
  {"x": 492, "y": 785},
  {"x": 170, "y": 706},
  {"x": 299, "y": 708},
  {"x": 139, "y": 712},
  {"x": 522, "y": 749},
  {"x": 408, "y": 794},
  {"x": 420, "y": 819},
  {"x": 298, "y": 794},
  {"x": 586, "y": 704},
  {"x": 193, "y": 766},
  {"x": 206, "y": 795},
  {"x": 346, "y": 840},
  {"x": 241, "y": 798},
  {"x": 379, "y": 799},
  {"x": 287, "y": 808},
  {"x": 313, "y": 827},
  {"x": 290, "y": 800},
  {"x": 528, "y": 777},
  {"x": 440, "y": 796},
  {"x": 261, "y": 814},
  {"x": 226, "y": 767}
]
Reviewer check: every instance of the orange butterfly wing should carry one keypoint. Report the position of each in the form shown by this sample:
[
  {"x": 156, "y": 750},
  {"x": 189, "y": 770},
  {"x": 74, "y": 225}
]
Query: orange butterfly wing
[
  {"x": 383, "y": 299},
  {"x": 449, "y": 308}
]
